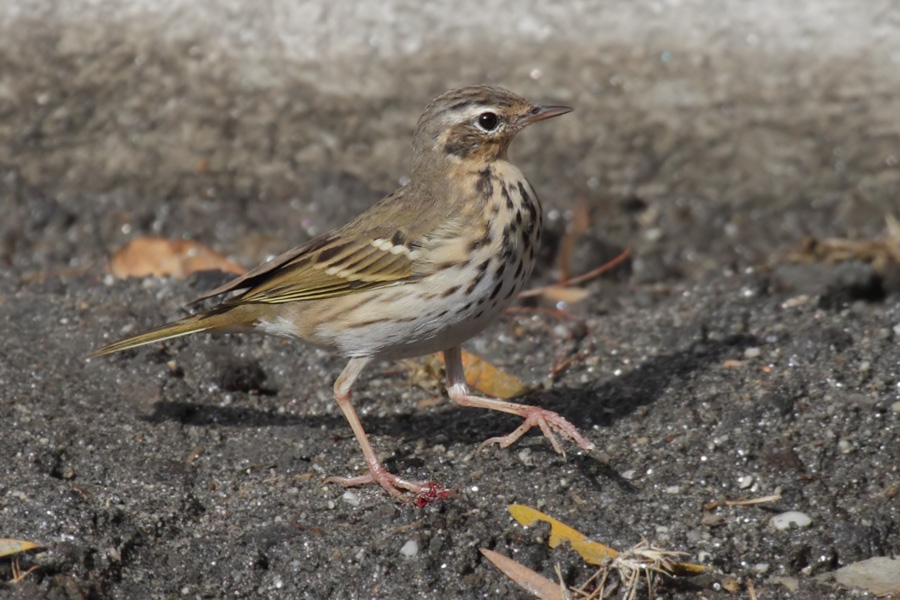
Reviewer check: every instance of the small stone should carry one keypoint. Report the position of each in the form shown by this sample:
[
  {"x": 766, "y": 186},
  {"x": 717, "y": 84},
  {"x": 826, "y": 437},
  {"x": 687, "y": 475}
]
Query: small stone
[
  {"x": 410, "y": 548},
  {"x": 791, "y": 517},
  {"x": 654, "y": 234},
  {"x": 896, "y": 407},
  {"x": 745, "y": 482},
  {"x": 795, "y": 301},
  {"x": 351, "y": 498},
  {"x": 752, "y": 352},
  {"x": 526, "y": 457}
]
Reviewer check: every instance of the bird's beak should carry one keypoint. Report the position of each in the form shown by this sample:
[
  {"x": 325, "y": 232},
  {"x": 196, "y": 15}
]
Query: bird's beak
[{"x": 539, "y": 113}]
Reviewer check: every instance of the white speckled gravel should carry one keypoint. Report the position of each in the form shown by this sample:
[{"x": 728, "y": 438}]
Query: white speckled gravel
[
  {"x": 791, "y": 518},
  {"x": 410, "y": 548}
]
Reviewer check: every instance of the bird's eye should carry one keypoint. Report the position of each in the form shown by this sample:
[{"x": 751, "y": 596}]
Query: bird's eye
[{"x": 488, "y": 121}]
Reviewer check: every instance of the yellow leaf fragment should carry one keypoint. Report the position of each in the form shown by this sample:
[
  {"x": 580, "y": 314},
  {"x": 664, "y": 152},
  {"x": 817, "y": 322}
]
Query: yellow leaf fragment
[
  {"x": 8, "y": 547},
  {"x": 527, "y": 579},
  {"x": 593, "y": 553},
  {"x": 488, "y": 379}
]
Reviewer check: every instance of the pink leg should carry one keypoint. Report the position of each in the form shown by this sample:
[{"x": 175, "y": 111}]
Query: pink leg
[
  {"x": 550, "y": 422},
  {"x": 377, "y": 473}
]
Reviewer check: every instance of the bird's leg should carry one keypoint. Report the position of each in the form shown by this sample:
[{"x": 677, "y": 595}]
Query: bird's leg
[
  {"x": 550, "y": 422},
  {"x": 377, "y": 472}
]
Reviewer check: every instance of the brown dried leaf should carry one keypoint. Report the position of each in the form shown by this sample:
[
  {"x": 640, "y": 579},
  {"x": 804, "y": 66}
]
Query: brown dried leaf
[
  {"x": 488, "y": 379},
  {"x": 527, "y": 579},
  {"x": 160, "y": 257},
  {"x": 731, "y": 585}
]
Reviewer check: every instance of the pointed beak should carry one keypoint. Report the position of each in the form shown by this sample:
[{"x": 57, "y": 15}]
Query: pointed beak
[{"x": 539, "y": 113}]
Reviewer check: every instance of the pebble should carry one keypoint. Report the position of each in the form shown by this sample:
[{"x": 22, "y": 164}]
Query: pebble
[
  {"x": 410, "y": 548},
  {"x": 896, "y": 407},
  {"x": 761, "y": 568},
  {"x": 791, "y": 517},
  {"x": 745, "y": 482},
  {"x": 654, "y": 234},
  {"x": 351, "y": 498},
  {"x": 795, "y": 301},
  {"x": 526, "y": 457},
  {"x": 752, "y": 352}
]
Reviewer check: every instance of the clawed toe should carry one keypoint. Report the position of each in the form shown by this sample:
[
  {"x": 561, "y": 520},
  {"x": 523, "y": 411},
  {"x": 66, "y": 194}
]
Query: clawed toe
[
  {"x": 391, "y": 483},
  {"x": 550, "y": 423}
]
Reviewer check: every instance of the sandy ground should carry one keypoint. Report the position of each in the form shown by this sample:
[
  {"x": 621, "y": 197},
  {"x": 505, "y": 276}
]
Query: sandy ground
[{"x": 712, "y": 139}]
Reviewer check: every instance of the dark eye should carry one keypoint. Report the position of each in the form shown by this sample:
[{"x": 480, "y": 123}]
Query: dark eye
[{"x": 488, "y": 121}]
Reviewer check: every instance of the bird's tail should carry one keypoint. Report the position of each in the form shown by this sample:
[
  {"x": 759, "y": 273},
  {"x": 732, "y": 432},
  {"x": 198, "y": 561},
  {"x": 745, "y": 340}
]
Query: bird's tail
[{"x": 230, "y": 318}]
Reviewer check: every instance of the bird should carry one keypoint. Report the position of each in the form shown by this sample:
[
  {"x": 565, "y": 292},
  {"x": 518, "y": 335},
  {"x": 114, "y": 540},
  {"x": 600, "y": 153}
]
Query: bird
[{"x": 421, "y": 271}]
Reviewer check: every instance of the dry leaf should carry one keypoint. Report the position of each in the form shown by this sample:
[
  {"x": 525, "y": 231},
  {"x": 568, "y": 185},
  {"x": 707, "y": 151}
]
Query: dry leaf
[
  {"x": 160, "y": 257},
  {"x": 488, "y": 379},
  {"x": 731, "y": 585},
  {"x": 593, "y": 553},
  {"x": 9, "y": 547},
  {"x": 527, "y": 579}
]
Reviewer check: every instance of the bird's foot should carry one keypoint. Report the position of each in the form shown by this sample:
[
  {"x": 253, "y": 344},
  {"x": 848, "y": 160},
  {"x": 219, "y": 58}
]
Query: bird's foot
[
  {"x": 425, "y": 491},
  {"x": 550, "y": 423}
]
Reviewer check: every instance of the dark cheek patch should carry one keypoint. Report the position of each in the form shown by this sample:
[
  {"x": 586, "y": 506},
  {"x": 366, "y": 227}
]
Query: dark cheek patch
[{"x": 485, "y": 184}]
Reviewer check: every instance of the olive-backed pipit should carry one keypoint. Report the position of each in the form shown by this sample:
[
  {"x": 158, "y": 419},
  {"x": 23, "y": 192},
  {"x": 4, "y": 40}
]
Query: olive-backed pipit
[{"x": 422, "y": 271}]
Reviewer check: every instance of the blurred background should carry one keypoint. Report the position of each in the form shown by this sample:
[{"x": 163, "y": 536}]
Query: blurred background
[{"x": 714, "y": 134}]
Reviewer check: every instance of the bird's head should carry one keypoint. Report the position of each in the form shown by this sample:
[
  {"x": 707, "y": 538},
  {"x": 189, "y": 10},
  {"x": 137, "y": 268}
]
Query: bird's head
[{"x": 475, "y": 123}]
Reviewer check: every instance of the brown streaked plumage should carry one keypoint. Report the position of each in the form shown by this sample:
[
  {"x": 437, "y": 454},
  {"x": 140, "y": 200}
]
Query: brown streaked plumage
[{"x": 423, "y": 270}]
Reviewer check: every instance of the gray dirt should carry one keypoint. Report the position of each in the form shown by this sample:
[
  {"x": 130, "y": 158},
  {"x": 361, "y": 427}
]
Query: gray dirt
[{"x": 712, "y": 138}]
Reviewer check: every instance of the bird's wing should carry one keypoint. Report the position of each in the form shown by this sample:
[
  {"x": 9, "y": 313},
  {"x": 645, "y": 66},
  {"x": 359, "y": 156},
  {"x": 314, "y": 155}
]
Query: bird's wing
[
  {"x": 335, "y": 266},
  {"x": 257, "y": 274},
  {"x": 366, "y": 254}
]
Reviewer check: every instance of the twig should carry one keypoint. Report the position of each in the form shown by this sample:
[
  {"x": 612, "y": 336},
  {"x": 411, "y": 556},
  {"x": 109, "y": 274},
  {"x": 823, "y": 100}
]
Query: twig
[{"x": 580, "y": 278}]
